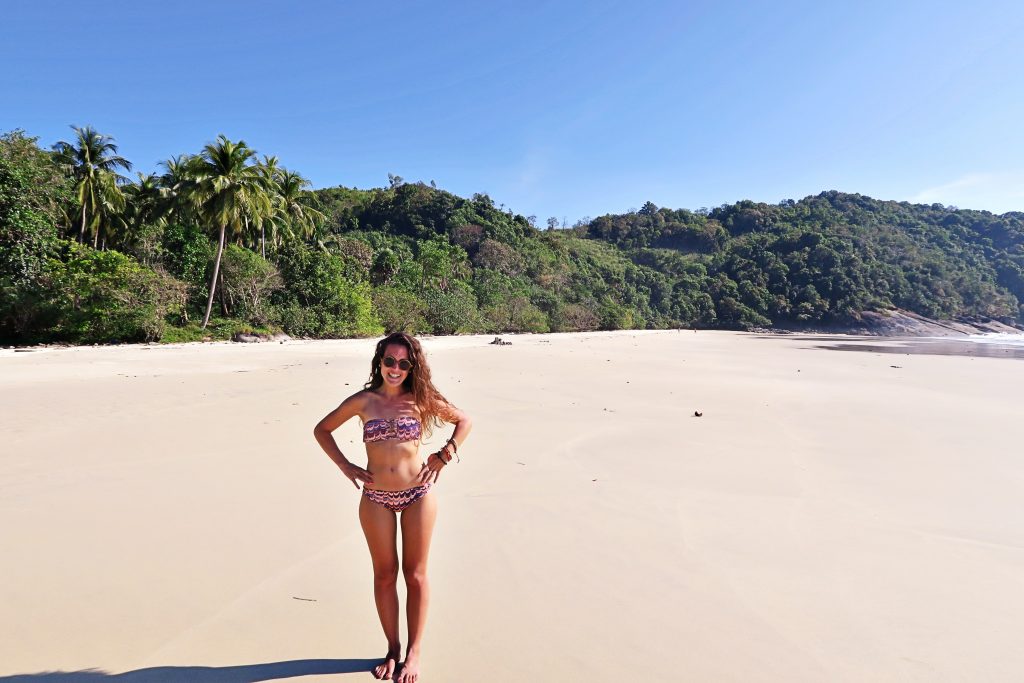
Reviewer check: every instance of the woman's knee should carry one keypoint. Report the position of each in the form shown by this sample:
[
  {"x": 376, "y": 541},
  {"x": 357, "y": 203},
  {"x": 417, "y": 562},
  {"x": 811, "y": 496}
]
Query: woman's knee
[
  {"x": 415, "y": 576},
  {"x": 385, "y": 575}
]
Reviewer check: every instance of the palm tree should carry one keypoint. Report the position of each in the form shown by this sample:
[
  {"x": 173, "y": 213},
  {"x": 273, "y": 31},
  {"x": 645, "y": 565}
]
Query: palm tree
[
  {"x": 145, "y": 206},
  {"x": 92, "y": 160},
  {"x": 144, "y": 200},
  {"x": 296, "y": 207},
  {"x": 109, "y": 220},
  {"x": 175, "y": 186},
  {"x": 224, "y": 188},
  {"x": 270, "y": 170}
]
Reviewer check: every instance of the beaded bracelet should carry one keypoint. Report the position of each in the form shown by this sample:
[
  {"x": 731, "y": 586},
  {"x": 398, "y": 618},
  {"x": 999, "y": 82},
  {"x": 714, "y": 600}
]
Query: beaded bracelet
[{"x": 455, "y": 449}]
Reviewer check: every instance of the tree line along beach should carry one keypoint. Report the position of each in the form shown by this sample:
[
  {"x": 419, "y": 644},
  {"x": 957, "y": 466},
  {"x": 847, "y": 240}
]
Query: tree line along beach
[{"x": 223, "y": 241}]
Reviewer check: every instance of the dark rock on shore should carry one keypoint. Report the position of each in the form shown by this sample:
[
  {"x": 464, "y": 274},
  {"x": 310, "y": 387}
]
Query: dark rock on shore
[{"x": 252, "y": 338}]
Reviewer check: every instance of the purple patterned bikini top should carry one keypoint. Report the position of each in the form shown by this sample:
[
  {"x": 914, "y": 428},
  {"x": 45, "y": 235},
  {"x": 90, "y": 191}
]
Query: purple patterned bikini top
[{"x": 399, "y": 428}]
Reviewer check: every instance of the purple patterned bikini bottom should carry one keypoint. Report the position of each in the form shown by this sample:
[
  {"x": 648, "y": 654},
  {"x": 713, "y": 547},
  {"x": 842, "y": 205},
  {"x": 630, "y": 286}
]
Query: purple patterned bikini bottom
[{"x": 396, "y": 501}]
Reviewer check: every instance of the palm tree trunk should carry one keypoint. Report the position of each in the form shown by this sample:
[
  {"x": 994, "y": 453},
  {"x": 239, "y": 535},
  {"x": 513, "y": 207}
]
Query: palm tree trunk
[
  {"x": 213, "y": 281},
  {"x": 224, "y": 298},
  {"x": 263, "y": 240},
  {"x": 81, "y": 231}
]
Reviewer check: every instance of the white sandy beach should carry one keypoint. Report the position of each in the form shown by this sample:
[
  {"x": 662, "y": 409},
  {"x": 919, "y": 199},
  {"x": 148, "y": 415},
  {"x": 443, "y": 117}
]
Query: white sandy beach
[{"x": 166, "y": 514}]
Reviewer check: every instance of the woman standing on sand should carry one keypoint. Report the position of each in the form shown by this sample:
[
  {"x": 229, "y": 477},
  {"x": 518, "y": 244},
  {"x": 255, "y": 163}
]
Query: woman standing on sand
[{"x": 397, "y": 406}]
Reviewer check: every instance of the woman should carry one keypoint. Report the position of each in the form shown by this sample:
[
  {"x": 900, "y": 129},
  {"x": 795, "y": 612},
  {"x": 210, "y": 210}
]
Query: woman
[{"x": 398, "y": 406}]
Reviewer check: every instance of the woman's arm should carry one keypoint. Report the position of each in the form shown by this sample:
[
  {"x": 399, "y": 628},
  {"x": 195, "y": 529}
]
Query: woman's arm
[
  {"x": 323, "y": 433},
  {"x": 435, "y": 463},
  {"x": 463, "y": 425}
]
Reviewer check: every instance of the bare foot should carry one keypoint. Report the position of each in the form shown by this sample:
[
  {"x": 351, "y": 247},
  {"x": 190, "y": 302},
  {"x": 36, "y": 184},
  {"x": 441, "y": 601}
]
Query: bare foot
[
  {"x": 386, "y": 670},
  {"x": 410, "y": 668}
]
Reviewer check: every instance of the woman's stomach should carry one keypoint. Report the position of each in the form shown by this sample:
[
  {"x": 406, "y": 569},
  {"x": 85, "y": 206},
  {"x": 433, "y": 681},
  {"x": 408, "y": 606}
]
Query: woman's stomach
[{"x": 395, "y": 466}]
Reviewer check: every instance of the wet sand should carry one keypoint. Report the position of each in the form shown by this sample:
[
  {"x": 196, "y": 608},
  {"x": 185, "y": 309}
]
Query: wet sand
[{"x": 933, "y": 346}]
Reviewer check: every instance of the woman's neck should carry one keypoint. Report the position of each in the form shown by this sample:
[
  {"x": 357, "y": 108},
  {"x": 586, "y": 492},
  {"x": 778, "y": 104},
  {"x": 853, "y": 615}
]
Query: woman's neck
[{"x": 391, "y": 393}]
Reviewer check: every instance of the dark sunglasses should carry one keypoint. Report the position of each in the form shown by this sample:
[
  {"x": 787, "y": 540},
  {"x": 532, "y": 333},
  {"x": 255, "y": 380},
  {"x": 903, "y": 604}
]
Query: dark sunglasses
[{"x": 405, "y": 365}]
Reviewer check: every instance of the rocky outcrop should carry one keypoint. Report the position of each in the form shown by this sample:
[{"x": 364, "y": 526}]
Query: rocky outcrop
[
  {"x": 900, "y": 323},
  {"x": 252, "y": 337}
]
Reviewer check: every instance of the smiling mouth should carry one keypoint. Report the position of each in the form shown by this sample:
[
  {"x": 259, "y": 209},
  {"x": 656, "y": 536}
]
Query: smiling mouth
[{"x": 392, "y": 375}]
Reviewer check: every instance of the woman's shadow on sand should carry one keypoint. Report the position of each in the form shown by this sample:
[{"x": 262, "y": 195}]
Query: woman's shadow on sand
[{"x": 248, "y": 673}]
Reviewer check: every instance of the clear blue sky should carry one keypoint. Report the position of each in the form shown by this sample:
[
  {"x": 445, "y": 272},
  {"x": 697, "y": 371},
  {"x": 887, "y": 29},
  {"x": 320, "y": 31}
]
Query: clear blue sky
[{"x": 562, "y": 109}]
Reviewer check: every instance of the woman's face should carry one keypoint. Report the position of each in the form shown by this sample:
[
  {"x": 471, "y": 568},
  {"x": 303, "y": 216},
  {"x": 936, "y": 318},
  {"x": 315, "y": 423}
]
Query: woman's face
[{"x": 395, "y": 375}]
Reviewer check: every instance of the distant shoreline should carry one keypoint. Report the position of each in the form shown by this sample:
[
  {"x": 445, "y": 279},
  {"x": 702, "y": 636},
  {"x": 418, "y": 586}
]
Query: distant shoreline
[
  {"x": 978, "y": 345},
  {"x": 936, "y": 346}
]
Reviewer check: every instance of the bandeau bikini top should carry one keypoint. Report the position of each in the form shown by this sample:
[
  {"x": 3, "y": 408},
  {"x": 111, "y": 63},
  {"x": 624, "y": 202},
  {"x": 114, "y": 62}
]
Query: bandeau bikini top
[{"x": 399, "y": 429}]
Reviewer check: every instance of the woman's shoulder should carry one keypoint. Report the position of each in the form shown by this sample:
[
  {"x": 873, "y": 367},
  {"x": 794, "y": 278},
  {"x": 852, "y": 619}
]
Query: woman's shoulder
[{"x": 360, "y": 400}]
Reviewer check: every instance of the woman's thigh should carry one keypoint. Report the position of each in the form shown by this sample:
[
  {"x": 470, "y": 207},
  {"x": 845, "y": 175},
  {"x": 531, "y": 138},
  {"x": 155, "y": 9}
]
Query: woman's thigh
[
  {"x": 380, "y": 527},
  {"x": 417, "y": 529}
]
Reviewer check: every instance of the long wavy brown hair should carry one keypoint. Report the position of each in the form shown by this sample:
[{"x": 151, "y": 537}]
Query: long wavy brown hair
[{"x": 434, "y": 408}]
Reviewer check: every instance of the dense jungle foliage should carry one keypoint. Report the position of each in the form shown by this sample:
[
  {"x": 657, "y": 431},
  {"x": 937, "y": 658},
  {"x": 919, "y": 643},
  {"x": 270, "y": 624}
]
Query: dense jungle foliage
[{"x": 225, "y": 241}]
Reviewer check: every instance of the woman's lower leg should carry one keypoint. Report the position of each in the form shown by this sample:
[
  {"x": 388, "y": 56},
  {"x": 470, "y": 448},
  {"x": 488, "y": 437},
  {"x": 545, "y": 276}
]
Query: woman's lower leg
[
  {"x": 385, "y": 594},
  {"x": 418, "y": 598}
]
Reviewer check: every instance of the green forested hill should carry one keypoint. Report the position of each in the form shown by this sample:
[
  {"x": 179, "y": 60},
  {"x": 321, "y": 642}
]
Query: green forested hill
[
  {"x": 826, "y": 258},
  {"x": 88, "y": 256}
]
